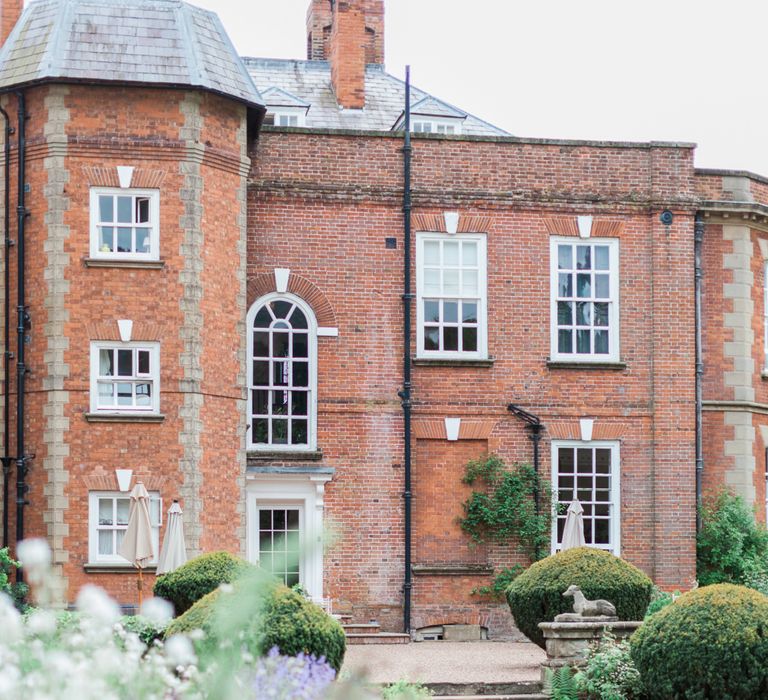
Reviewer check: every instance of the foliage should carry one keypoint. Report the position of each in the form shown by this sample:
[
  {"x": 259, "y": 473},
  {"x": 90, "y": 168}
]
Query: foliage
[
  {"x": 504, "y": 510},
  {"x": 537, "y": 594},
  {"x": 261, "y": 615},
  {"x": 608, "y": 673},
  {"x": 405, "y": 690},
  {"x": 659, "y": 600},
  {"x": 500, "y": 583},
  {"x": 731, "y": 547},
  {"x": 289, "y": 677},
  {"x": 560, "y": 684},
  {"x": 145, "y": 629},
  {"x": 16, "y": 590},
  {"x": 190, "y": 582},
  {"x": 709, "y": 644}
]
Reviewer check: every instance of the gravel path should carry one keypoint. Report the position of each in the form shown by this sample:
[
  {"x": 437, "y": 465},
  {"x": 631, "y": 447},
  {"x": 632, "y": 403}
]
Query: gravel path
[{"x": 445, "y": 662}]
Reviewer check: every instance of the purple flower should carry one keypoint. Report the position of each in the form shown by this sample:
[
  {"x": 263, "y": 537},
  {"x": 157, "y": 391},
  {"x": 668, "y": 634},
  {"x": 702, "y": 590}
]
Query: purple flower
[{"x": 299, "y": 677}]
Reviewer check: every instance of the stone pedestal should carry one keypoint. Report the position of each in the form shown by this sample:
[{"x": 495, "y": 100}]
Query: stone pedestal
[{"x": 568, "y": 642}]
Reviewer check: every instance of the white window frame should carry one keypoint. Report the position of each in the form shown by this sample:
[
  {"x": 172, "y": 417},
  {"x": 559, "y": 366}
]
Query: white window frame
[
  {"x": 153, "y": 376},
  {"x": 289, "y": 114},
  {"x": 445, "y": 126},
  {"x": 153, "y": 225},
  {"x": 614, "y": 352},
  {"x": 311, "y": 443},
  {"x": 156, "y": 510},
  {"x": 615, "y": 490},
  {"x": 289, "y": 490},
  {"x": 482, "y": 299}
]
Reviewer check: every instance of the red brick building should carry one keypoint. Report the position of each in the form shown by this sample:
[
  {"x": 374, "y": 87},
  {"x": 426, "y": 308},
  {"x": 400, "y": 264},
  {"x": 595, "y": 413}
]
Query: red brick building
[{"x": 217, "y": 306}]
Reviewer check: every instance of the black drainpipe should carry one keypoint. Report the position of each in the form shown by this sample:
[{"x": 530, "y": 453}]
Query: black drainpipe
[
  {"x": 23, "y": 320},
  {"x": 698, "y": 240},
  {"x": 535, "y": 426},
  {"x": 405, "y": 393},
  {"x": 7, "y": 347}
]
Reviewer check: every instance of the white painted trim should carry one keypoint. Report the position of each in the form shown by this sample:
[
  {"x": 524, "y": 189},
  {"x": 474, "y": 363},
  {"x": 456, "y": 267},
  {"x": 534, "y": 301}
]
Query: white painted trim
[
  {"x": 154, "y": 376},
  {"x": 124, "y": 479},
  {"x": 614, "y": 337},
  {"x": 312, "y": 336},
  {"x": 482, "y": 283},
  {"x": 125, "y": 175},
  {"x": 125, "y": 328},
  {"x": 452, "y": 427},
  {"x": 585, "y": 226},
  {"x": 154, "y": 224},
  {"x": 451, "y": 221},
  {"x": 305, "y": 490},
  {"x": 586, "y": 425},
  {"x": 287, "y": 112},
  {"x": 615, "y": 528},
  {"x": 327, "y": 332},
  {"x": 435, "y": 123},
  {"x": 282, "y": 275}
]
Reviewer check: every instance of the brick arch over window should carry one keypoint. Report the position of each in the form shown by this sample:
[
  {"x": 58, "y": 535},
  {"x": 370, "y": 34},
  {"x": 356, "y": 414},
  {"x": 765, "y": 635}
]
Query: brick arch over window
[
  {"x": 142, "y": 178},
  {"x": 109, "y": 330},
  {"x": 264, "y": 283}
]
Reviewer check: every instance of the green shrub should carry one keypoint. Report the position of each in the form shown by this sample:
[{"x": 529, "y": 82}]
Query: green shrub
[
  {"x": 17, "y": 591},
  {"x": 659, "y": 601},
  {"x": 731, "y": 547},
  {"x": 145, "y": 629},
  {"x": 262, "y": 615},
  {"x": 608, "y": 672},
  {"x": 198, "y": 577},
  {"x": 537, "y": 594},
  {"x": 405, "y": 690},
  {"x": 711, "y": 643},
  {"x": 560, "y": 684}
]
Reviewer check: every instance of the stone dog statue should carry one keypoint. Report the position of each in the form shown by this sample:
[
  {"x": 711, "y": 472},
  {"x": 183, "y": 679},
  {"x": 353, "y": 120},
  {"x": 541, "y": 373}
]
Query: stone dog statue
[{"x": 584, "y": 608}]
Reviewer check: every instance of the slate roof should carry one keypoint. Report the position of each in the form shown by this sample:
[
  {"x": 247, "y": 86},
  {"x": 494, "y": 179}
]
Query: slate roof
[
  {"x": 163, "y": 42},
  {"x": 274, "y": 96},
  {"x": 384, "y": 95}
]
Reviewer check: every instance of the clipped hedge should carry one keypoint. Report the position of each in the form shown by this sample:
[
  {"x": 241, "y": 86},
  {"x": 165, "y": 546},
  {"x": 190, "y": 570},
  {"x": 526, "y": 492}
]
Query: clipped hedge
[
  {"x": 264, "y": 615},
  {"x": 537, "y": 594},
  {"x": 711, "y": 643},
  {"x": 198, "y": 577}
]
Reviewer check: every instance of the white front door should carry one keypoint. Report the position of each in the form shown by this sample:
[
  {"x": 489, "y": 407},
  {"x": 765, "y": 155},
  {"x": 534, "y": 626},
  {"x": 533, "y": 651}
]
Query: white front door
[{"x": 281, "y": 530}]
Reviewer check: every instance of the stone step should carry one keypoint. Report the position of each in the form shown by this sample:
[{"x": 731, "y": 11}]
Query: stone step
[
  {"x": 378, "y": 638},
  {"x": 525, "y": 690},
  {"x": 361, "y": 627}
]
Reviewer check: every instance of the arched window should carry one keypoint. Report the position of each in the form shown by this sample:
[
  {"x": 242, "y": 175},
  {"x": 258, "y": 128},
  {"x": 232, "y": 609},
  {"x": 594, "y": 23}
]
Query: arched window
[{"x": 282, "y": 375}]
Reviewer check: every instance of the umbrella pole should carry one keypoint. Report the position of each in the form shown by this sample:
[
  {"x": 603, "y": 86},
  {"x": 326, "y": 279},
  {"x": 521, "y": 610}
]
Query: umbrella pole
[{"x": 140, "y": 584}]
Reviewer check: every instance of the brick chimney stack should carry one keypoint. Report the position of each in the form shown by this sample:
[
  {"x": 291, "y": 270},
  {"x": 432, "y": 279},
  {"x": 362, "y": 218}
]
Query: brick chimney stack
[
  {"x": 349, "y": 34},
  {"x": 10, "y": 11}
]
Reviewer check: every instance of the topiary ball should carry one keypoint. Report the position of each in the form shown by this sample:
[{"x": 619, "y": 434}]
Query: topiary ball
[
  {"x": 711, "y": 643},
  {"x": 262, "y": 615},
  {"x": 199, "y": 576},
  {"x": 537, "y": 594}
]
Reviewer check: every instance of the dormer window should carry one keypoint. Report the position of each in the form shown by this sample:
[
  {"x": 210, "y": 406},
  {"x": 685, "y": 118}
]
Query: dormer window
[
  {"x": 284, "y": 109},
  {"x": 431, "y": 116},
  {"x": 432, "y": 126}
]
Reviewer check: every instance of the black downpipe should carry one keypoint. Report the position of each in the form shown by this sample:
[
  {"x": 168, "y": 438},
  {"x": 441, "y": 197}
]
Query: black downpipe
[
  {"x": 698, "y": 240},
  {"x": 534, "y": 425},
  {"x": 7, "y": 334},
  {"x": 405, "y": 394},
  {"x": 23, "y": 318}
]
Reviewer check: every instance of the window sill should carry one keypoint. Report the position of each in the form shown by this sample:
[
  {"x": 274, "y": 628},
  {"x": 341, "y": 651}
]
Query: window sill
[
  {"x": 576, "y": 364},
  {"x": 452, "y": 362},
  {"x": 452, "y": 570},
  {"x": 124, "y": 417},
  {"x": 279, "y": 456},
  {"x": 102, "y": 568},
  {"x": 137, "y": 264}
]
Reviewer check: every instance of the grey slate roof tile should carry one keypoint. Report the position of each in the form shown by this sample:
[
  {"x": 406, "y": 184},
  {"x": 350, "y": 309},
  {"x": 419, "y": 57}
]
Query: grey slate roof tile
[
  {"x": 310, "y": 81},
  {"x": 148, "y": 41}
]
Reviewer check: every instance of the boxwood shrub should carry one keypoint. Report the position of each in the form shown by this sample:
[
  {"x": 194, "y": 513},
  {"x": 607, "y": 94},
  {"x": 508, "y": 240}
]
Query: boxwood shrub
[
  {"x": 190, "y": 582},
  {"x": 711, "y": 643},
  {"x": 263, "y": 615},
  {"x": 537, "y": 594}
]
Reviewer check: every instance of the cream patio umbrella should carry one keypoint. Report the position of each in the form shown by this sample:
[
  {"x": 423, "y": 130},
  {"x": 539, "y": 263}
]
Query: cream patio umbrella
[
  {"x": 173, "y": 553},
  {"x": 137, "y": 543},
  {"x": 573, "y": 532}
]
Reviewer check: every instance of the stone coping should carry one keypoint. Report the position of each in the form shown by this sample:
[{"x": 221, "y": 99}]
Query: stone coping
[{"x": 588, "y": 625}]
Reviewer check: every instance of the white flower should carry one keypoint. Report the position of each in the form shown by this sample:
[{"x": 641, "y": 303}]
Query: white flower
[
  {"x": 94, "y": 601},
  {"x": 226, "y": 588},
  {"x": 157, "y": 611},
  {"x": 10, "y": 620},
  {"x": 179, "y": 651},
  {"x": 35, "y": 558},
  {"x": 42, "y": 622}
]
